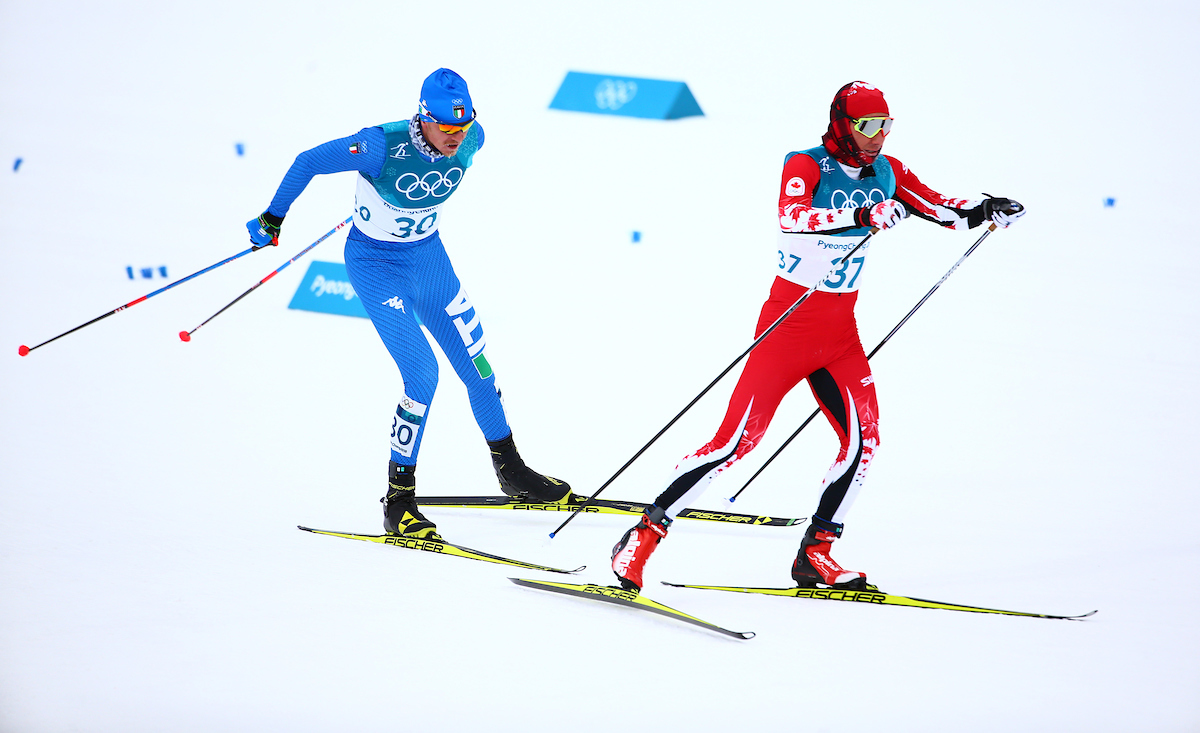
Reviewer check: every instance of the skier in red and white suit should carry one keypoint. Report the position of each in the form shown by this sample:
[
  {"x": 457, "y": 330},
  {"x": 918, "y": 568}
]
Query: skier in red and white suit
[{"x": 830, "y": 197}]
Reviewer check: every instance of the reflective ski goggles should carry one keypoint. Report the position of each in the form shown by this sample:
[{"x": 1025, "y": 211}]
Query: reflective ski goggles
[
  {"x": 448, "y": 129},
  {"x": 871, "y": 126},
  {"x": 451, "y": 129}
]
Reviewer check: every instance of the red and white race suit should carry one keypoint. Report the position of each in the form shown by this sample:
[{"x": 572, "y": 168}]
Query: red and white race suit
[{"x": 818, "y": 342}]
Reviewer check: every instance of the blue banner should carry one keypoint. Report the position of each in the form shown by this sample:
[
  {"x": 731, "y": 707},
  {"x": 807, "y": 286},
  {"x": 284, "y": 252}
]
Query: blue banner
[
  {"x": 627, "y": 96},
  {"x": 326, "y": 289}
]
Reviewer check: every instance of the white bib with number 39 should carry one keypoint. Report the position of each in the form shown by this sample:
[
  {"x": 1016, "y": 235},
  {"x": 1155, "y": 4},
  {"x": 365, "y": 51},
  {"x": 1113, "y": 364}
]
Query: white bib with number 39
[{"x": 806, "y": 258}]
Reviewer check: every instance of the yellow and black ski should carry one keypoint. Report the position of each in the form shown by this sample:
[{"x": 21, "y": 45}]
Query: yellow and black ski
[
  {"x": 631, "y": 599},
  {"x": 600, "y": 506},
  {"x": 871, "y": 595},
  {"x": 441, "y": 547}
]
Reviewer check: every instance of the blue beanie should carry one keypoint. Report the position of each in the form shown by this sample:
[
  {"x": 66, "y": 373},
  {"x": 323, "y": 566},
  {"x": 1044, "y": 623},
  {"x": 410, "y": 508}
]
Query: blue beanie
[{"x": 445, "y": 99}]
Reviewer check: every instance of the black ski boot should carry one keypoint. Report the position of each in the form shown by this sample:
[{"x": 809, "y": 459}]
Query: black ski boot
[
  {"x": 400, "y": 514},
  {"x": 517, "y": 479}
]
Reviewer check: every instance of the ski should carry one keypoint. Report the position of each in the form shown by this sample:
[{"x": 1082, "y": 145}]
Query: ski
[
  {"x": 872, "y": 595},
  {"x": 601, "y": 506},
  {"x": 439, "y": 546},
  {"x": 631, "y": 599}
]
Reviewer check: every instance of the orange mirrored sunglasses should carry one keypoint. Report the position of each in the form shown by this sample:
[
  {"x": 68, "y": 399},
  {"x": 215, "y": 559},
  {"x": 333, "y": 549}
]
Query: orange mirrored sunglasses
[{"x": 451, "y": 129}]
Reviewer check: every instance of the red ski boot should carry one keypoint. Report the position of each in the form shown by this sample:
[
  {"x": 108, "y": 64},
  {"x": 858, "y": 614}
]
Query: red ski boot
[
  {"x": 814, "y": 565},
  {"x": 629, "y": 556}
]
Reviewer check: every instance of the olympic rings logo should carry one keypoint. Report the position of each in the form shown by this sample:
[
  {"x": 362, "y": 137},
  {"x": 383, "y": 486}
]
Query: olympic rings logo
[
  {"x": 615, "y": 93},
  {"x": 433, "y": 183},
  {"x": 856, "y": 199}
]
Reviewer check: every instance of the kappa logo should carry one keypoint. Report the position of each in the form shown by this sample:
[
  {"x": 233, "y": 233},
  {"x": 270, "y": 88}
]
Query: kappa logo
[
  {"x": 395, "y": 302},
  {"x": 400, "y": 151}
]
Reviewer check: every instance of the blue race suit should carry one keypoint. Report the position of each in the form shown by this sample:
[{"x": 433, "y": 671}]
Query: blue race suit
[{"x": 400, "y": 270}]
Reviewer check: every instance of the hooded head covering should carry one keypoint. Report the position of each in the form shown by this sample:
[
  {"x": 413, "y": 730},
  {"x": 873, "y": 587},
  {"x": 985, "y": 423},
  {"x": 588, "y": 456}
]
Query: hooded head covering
[{"x": 856, "y": 99}]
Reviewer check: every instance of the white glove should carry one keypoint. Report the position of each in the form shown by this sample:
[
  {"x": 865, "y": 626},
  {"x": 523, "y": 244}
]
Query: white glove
[{"x": 883, "y": 215}]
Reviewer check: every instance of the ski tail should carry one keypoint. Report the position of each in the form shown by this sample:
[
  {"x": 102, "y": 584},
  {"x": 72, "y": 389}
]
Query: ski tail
[
  {"x": 629, "y": 599},
  {"x": 440, "y": 547}
]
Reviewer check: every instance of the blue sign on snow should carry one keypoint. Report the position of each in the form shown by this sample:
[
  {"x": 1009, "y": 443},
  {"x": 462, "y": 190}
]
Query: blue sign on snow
[
  {"x": 326, "y": 289},
  {"x": 625, "y": 95}
]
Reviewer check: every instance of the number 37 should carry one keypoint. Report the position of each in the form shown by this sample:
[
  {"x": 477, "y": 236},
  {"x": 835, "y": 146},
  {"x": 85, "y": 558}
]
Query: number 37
[{"x": 839, "y": 274}]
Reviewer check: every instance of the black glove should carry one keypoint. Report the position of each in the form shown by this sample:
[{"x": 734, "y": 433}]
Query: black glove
[
  {"x": 1001, "y": 211},
  {"x": 264, "y": 231}
]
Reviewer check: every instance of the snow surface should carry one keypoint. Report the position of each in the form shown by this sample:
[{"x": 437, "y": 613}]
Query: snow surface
[{"x": 1037, "y": 412}]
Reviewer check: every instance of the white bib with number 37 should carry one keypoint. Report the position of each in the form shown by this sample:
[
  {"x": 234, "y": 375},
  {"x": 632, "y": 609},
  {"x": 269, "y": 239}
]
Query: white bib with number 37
[{"x": 806, "y": 258}]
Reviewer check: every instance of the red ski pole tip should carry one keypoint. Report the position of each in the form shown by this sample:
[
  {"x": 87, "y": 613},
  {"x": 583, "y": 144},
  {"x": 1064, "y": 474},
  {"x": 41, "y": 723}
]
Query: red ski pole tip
[
  {"x": 185, "y": 336},
  {"x": 24, "y": 350}
]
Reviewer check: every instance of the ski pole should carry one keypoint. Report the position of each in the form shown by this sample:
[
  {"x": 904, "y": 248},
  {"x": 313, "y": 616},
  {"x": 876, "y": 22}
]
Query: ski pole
[
  {"x": 712, "y": 384},
  {"x": 187, "y": 335},
  {"x": 24, "y": 350},
  {"x": 874, "y": 351}
]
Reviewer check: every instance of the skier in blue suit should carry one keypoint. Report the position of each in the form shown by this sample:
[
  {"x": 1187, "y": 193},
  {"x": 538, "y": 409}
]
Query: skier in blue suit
[{"x": 400, "y": 270}]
